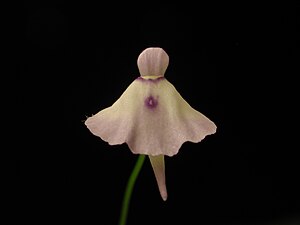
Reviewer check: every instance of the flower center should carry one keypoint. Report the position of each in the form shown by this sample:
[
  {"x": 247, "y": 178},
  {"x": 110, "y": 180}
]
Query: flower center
[{"x": 151, "y": 102}]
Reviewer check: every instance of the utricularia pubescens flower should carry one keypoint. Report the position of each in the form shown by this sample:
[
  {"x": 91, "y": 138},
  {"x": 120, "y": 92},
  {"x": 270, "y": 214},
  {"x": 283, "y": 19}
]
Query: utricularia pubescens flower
[{"x": 151, "y": 116}]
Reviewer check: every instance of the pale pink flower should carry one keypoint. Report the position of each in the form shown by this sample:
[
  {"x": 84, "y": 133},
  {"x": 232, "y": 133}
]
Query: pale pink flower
[{"x": 151, "y": 116}]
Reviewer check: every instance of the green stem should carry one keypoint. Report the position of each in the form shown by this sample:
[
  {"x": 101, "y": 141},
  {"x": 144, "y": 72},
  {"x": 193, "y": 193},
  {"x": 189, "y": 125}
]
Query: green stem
[{"x": 129, "y": 188}]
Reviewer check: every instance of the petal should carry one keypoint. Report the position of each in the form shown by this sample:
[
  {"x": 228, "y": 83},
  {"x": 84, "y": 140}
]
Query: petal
[
  {"x": 152, "y": 118},
  {"x": 153, "y": 62},
  {"x": 158, "y": 165}
]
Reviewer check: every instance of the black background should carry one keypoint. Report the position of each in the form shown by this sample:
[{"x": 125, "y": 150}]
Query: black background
[{"x": 231, "y": 61}]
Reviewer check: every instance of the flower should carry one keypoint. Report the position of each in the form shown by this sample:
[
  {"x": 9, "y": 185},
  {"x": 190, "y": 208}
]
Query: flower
[{"x": 151, "y": 116}]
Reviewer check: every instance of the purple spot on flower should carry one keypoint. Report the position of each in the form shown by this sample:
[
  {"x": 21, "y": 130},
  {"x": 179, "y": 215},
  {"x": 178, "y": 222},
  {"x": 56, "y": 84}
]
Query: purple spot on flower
[{"x": 151, "y": 102}]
